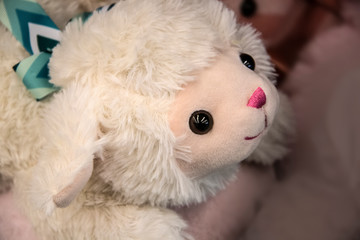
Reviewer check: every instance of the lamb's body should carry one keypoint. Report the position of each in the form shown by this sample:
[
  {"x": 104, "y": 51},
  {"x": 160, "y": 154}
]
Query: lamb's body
[
  {"x": 98, "y": 216},
  {"x": 20, "y": 143}
]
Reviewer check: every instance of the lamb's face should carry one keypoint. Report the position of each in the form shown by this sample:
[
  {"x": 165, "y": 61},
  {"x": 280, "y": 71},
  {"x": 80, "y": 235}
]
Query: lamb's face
[
  {"x": 149, "y": 77},
  {"x": 223, "y": 114}
]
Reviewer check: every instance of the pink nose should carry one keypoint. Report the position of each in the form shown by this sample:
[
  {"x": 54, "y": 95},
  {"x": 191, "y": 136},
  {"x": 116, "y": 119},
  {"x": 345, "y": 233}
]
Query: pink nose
[{"x": 257, "y": 99}]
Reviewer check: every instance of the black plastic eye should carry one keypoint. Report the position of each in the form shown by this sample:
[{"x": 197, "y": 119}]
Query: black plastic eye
[
  {"x": 247, "y": 60},
  {"x": 201, "y": 122},
  {"x": 248, "y": 8}
]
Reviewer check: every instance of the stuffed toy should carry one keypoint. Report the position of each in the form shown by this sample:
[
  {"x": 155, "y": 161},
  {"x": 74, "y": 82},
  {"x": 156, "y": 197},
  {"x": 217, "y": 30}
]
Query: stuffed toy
[{"x": 156, "y": 103}]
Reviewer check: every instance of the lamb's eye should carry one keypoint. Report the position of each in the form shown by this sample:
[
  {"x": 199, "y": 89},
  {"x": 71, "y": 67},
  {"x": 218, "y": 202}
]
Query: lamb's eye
[
  {"x": 247, "y": 60},
  {"x": 248, "y": 8},
  {"x": 201, "y": 122}
]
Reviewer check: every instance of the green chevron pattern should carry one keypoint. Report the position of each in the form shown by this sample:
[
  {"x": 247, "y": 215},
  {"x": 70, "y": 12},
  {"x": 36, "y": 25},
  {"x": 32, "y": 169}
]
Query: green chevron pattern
[
  {"x": 35, "y": 74},
  {"x": 27, "y": 21},
  {"x": 31, "y": 26},
  {"x": 34, "y": 29}
]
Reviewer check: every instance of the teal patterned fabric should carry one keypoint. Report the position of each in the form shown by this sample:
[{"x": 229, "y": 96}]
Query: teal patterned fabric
[
  {"x": 34, "y": 29},
  {"x": 31, "y": 26}
]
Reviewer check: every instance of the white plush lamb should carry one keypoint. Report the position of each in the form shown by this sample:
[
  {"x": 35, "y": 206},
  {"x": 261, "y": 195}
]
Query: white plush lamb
[{"x": 159, "y": 102}]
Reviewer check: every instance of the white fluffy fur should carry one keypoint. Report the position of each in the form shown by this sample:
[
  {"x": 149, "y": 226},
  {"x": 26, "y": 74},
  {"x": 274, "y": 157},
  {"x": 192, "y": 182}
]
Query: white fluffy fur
[{"x": 120, "y": 72}]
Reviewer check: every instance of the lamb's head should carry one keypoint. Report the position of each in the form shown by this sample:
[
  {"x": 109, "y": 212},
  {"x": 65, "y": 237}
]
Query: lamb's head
[{"x": 167, "y": 97}]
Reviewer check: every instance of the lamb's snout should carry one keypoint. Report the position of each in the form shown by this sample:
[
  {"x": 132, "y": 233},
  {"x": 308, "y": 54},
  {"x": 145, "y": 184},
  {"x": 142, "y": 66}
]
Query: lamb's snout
[{"x": 257, "y": 99}]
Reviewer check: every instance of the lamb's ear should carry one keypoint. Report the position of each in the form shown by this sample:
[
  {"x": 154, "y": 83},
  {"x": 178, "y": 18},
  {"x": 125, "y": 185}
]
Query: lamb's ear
[
  {"x": 275, "y": 145},
  {"x": 70, "y": 130}
]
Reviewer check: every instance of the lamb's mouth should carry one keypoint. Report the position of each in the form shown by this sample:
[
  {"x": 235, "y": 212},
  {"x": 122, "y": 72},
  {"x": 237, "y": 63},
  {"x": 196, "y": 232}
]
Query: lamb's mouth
[{"x": 265, "y": 126}]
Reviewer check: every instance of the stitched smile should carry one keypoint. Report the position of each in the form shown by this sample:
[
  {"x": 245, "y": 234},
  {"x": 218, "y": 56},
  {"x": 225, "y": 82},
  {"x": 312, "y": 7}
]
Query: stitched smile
[{"x": 253, "y": 137}]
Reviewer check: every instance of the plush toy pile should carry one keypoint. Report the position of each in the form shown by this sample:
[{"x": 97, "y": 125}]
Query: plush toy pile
[{"x": 159, "y": 102}]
